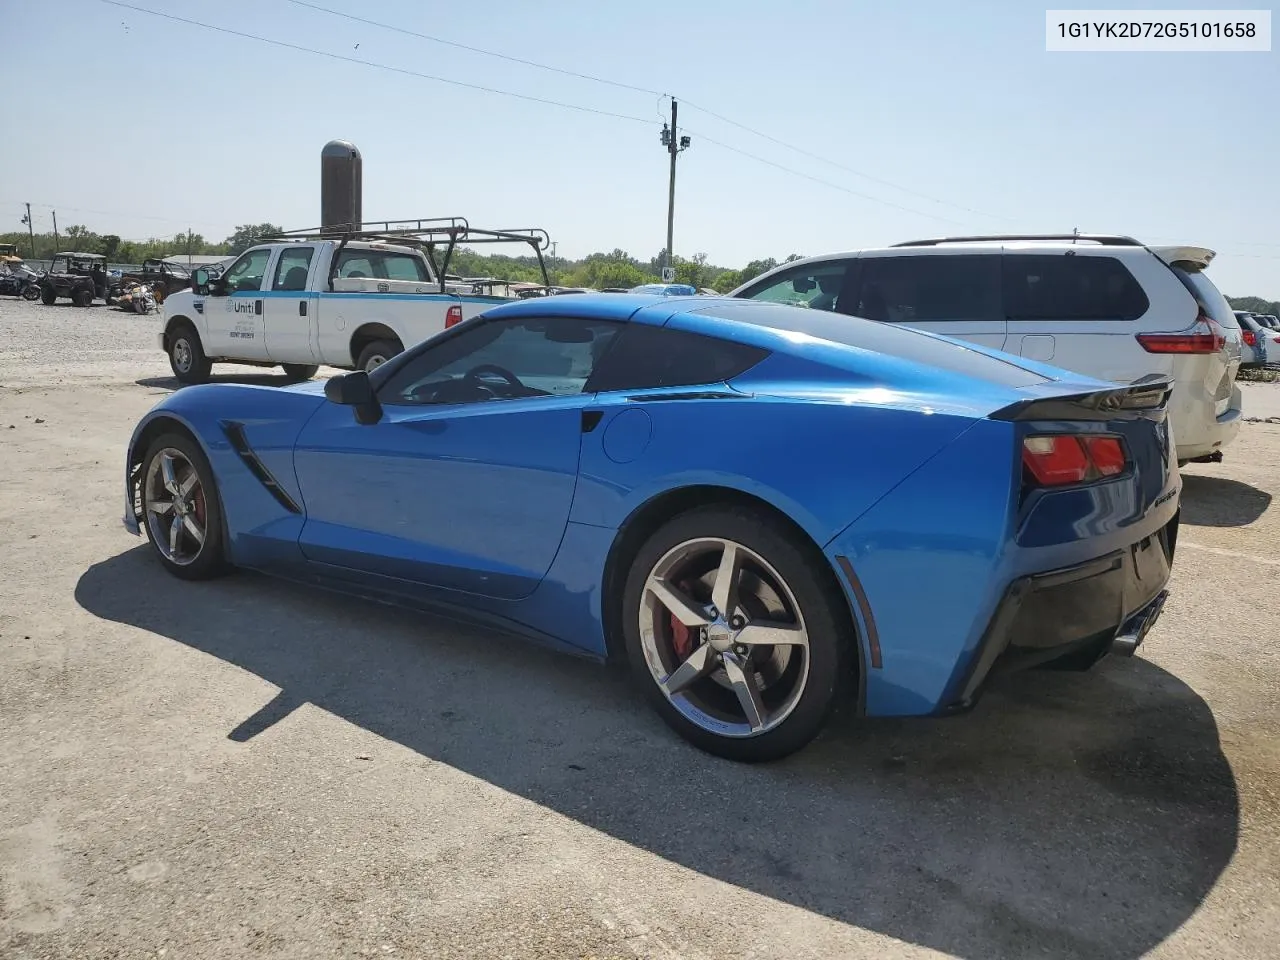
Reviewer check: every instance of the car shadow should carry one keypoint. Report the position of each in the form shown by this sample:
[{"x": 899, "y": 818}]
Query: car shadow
[
  {"x": 1220, "y": 502},
  {"x": 249, "y": 379},
  {"x": 1068, "y": 815}
]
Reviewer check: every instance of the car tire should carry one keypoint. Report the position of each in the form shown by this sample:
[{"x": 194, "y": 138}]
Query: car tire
[
  {"x": 173, "y": 510},
  {"x": 30, "y": 293},
  {"x": 298, "y": 372},
  {"x": 186, "y": 355},
  {"x": 783, "y": 579},
  {"x": 377, "y": 353},
  {"x": 47, "y": 296},
  {"x": 82, "y": 297}
]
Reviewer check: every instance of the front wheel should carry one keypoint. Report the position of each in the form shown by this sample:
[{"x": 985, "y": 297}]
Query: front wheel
[
  {"x": 186, "y": 356},
  {"x": 300, "y": 371},
  {"x": 47, "y": 296},
  {"x": 30, "y": 292},
  {"x": 376, "y": 354},
  {"x": 736, "y": 632},
  {"x": 181, "y": 510}
]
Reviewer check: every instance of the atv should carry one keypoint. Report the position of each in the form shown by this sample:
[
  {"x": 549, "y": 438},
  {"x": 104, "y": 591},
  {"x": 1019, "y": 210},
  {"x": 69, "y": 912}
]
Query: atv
[{"x": 79, "y": 277}]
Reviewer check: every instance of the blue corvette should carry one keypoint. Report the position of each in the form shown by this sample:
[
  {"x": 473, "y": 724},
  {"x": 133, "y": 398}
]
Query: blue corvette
[{"x": 767, "y": 510}]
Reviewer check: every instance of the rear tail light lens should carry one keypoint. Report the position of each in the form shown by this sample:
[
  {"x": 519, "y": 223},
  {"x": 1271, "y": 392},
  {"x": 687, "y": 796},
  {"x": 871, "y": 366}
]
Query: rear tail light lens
[
  {"x": 1203, "y": 336},
  {"x": 452, "y": 316},
  {"x": 1250, "y": 339},
  {"x": 1063, "y": 459}
]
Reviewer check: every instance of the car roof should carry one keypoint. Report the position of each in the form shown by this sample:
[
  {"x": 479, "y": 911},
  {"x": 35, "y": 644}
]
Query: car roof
[
  {"x": 817, "y": 335},
  {"x": 80, "y": 256}
]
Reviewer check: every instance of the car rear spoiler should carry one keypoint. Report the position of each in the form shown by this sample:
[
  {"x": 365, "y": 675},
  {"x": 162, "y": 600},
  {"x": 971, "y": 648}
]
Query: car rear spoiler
[
  {"x": 1144, "y": 395},
  {"x": 1200, "y": 256}
]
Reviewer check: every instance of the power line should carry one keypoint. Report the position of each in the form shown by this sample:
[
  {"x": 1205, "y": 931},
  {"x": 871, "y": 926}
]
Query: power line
[
  {"x": 471, "y": 49},
  {"x": 825, "y": 183},
  {"x": 840, "y": 166},
  {"x": 377, "y": 66},
  {"x": 627, "y": 86}
]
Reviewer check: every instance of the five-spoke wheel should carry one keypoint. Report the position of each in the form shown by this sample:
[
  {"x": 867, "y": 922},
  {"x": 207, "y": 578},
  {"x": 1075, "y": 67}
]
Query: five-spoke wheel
[
  {"x": 736, "y": 630},
  {"x": 180, "y": 508}
]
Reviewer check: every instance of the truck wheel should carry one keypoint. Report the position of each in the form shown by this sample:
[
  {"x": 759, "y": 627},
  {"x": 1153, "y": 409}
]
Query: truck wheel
[
  {"x": 300, "y": 371},
  {"x": 82, "y": 297},
  {"x": 47, "y": 296},
  {"x": 377, "y": 353},
  {"x": 186, "y": 355}
]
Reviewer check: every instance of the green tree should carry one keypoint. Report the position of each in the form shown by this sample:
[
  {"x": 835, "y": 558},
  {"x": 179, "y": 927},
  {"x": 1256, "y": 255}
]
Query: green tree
[
  {"x": 728, "y": 280},
  {"x": 109, "y": 246},
  {"x": 247, "y": 235},
  {"x": 755, "y": 268}
]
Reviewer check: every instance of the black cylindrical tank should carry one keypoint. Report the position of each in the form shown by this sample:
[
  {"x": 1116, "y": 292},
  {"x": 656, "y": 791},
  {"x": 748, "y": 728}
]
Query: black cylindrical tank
[{"x": 341, "y": 190}]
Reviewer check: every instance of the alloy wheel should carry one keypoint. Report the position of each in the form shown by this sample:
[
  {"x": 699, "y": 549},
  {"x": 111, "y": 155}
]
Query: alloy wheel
[
  {"x": 175, "y": 506},
  {"x": 723, "y": 637}
]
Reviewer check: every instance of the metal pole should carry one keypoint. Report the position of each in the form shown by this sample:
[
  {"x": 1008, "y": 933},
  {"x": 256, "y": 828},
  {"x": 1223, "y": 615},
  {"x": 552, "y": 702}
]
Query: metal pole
[
  {"x": 56, "y": 243},
  {"x": 31, "y": 229},
  {"x": 673, "y": 147}
]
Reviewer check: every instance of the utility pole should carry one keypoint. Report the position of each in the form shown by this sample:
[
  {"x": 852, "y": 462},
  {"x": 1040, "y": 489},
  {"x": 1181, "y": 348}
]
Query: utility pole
[
  {"x": 674, "y": 144},
  {"x": 56, "y": 243},
  {"x": 31, "y": 229}
]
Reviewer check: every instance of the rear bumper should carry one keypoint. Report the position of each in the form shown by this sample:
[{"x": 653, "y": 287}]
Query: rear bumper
[
  {"x": 1200, "y": 441},
  {"x": 1102, "y": 604}
]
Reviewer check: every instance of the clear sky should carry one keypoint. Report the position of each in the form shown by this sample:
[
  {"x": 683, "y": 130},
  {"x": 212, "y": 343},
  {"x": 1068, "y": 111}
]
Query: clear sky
[{"x": 140, "y": 126}]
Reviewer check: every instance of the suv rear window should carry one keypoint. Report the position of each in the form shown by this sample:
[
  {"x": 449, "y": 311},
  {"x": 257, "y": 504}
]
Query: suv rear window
[
  {"x": 1207, "y": 296},
  {"x": 1070, "y": 287}
]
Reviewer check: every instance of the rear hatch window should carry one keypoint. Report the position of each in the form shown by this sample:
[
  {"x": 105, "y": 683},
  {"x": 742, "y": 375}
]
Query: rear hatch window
[{"x": 1211, "y": 301}]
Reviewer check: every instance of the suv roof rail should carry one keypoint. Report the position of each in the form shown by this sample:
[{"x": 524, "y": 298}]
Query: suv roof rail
[{"x": 1105, "y": 239}]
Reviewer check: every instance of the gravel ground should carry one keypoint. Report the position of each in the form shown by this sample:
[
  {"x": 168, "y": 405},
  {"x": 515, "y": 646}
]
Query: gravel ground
[{"x": 246, "y": 768}]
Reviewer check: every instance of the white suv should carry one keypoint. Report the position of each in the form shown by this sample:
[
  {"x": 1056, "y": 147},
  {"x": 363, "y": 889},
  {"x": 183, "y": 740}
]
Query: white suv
[{"x": 1107, "y": 306}]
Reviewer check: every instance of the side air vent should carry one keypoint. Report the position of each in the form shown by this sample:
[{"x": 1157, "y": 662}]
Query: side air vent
[{"x": 239, "y": 443}]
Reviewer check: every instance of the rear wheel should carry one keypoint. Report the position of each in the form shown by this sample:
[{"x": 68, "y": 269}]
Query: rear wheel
[
  {"x": 30, "y": 292},
  {"x": 47, "y": 296},
  {"x": 186, "y": 355},
  {"x": 300, "y": 371},
  {"x": 377, "y": 353},
  {"x": 181, "y": 510},
  {"x": 735, "y": 630},
  {"x": 82, "y": 297}
]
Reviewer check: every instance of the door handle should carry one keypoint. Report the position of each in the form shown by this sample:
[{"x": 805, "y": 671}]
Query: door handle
[
  {"x": 302, "y": 308},
  {"x": 257, "y": 307}
]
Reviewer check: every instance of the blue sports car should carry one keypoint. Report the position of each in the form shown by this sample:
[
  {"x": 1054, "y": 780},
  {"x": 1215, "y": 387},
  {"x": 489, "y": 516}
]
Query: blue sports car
[{"x": 766, "y": 510}]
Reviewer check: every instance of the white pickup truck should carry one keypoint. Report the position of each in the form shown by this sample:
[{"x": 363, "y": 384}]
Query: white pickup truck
[{"x": 350, "y": 300}]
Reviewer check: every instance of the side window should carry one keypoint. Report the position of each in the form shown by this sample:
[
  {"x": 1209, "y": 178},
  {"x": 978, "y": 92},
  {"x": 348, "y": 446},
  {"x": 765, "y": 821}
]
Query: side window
[
  {"x": 292, "y": 269},
  {"x": 503, "y": 360},
  {"x": 646, "y": 357},
  {"x": 1061, "y": 287},
  {"x": 909, "y": 289},
  {"x": 247, "y": 272},
  {"x": 382, "y": 265},
  {"x": 817, "y": 286}
]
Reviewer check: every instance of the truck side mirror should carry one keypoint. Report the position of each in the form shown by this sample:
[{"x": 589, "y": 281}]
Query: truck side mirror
[{"x": 200, "y": 281}]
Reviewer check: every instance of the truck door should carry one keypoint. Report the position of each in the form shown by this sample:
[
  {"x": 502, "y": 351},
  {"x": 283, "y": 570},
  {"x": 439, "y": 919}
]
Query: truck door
[
  {"x": 233, "y": 309},
  {"x": 290, "y": 307}
]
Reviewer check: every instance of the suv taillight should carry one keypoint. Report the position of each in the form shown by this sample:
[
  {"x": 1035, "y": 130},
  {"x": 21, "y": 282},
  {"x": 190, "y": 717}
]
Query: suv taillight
[
  {"x": 1203, "y": 336},
  {"x": 452, "y": 316},
  {"x": 1249, "y": 337},
  {"x": 1058, "y": 460}
]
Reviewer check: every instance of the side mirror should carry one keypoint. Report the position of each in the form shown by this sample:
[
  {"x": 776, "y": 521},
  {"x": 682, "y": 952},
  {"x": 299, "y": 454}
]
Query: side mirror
[
  {"x": 200, "y": 282},
  {"x": 354, "y": 390}
]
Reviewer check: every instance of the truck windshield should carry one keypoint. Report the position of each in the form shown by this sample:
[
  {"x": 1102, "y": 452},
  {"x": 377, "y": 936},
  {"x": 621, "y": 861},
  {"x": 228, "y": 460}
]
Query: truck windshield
[{"x": 384, "y": 265}]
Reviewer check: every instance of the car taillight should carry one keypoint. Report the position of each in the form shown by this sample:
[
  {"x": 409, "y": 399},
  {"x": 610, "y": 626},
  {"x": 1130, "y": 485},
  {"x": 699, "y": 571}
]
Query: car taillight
[
  {"x": 1249, "y": 338},
  {"x": 452, "y": 316},
  {"x": 1203, "y": 336},
  {"x": 1062, "y": 459}
]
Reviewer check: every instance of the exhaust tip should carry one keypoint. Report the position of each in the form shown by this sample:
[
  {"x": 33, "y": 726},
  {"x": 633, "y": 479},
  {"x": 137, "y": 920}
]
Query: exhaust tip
[{"x": 1135, "y": 629}]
